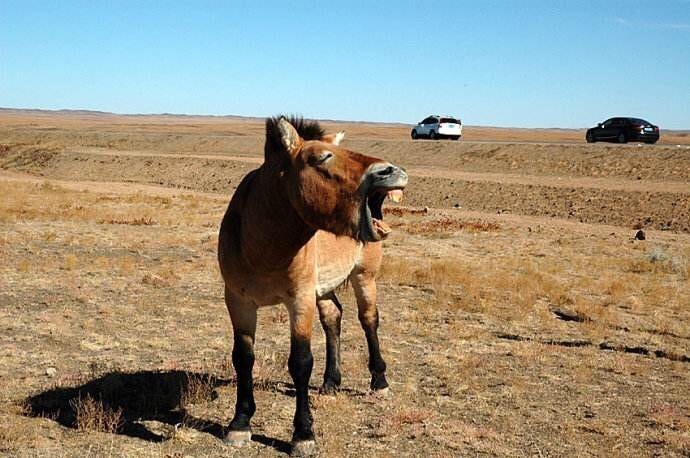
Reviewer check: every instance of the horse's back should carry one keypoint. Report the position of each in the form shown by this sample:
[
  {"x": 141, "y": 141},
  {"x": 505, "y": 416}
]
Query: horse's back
[{"x": 230, "y": 226}]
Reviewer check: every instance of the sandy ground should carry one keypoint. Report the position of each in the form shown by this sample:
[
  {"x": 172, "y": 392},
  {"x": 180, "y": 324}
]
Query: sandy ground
[{"x": 519, "y": 316}]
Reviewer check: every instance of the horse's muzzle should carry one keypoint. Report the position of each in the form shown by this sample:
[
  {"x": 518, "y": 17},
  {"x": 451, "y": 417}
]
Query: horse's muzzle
[
  {"x": 381, "y": 180},
  {"x": 386, "y": 175}
]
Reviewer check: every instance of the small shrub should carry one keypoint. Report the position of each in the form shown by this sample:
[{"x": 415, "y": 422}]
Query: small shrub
[
  {"x": 199, "y": 389},
  {"x": 93, "y": 415}
]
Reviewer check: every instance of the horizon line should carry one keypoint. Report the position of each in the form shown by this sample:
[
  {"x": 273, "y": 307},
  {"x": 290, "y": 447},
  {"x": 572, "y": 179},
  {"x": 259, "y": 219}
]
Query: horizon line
[{"x": 75, "y": 111}]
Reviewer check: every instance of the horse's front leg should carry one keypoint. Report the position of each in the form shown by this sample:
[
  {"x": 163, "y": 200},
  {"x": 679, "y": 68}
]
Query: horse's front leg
[
  {"x": 330, "y": 314},
  {"x": 243, "y": 317},
  {"x": 364, "y": 285},
  {"x": 300, "y": 364}
]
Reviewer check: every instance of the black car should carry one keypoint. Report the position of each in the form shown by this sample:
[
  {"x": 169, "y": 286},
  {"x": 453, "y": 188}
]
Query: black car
[{"x": 622, "y": 130}]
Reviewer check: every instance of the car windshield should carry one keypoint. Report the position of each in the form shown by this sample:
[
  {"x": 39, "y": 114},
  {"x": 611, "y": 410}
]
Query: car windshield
[
  {"x": 450, "y": 120},
  {"x": 640, "y": 121}
]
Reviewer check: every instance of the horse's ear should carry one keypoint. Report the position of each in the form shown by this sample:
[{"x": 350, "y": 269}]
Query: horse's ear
[
  {"x": 289, "y": 136},
  {"x": 334, "y": 139}
]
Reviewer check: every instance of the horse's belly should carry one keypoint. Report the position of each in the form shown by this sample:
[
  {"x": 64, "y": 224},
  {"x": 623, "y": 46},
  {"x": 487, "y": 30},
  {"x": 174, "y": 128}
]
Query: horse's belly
[
  {"x": 330, "y": 279},
  {"x": 336, "y": 259}
]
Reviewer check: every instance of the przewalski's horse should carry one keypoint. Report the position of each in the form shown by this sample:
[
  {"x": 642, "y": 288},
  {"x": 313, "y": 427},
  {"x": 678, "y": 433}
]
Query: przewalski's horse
[{"x": 296, "y": 228}]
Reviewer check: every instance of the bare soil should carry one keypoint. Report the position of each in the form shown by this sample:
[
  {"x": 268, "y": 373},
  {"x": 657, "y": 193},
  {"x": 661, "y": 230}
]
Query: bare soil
[{"x": 519, "y": 315}]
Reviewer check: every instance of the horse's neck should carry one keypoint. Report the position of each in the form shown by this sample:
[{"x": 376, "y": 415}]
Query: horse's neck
[{"x": 272, "y": 231}]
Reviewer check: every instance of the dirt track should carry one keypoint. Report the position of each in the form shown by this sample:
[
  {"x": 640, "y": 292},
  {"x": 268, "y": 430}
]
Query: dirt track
[
  {"x": 510, "y": 328},
  {"x": 641, "y": 187}
]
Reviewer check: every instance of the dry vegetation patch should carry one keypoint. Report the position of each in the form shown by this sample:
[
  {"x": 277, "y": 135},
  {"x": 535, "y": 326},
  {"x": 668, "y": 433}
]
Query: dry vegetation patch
[
  {"x": 93, "y": 415},
  {"x": 447, "y": 225}
]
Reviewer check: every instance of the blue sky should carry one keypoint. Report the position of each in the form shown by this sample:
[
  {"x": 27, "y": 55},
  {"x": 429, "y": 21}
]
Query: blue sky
[{"x": 503, "y": 63}]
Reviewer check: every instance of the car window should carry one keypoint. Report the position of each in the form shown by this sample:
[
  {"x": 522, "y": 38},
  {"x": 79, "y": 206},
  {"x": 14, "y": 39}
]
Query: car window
[
  {"x": 450, "y": 120},
  {"x": 607, "y": 123}
]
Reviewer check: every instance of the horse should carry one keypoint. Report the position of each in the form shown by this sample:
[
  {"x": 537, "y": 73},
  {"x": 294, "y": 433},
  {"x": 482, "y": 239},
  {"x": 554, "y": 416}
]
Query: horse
[{"x": 306, "y": 221}]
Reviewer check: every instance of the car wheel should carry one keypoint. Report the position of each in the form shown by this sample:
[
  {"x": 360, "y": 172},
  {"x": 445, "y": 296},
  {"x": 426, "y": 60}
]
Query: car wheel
[
  {"x": 432, "y": 135},
  {"x": 590, "y": 137},
  {"x": 455, "y": 137},
  {"x": 621, "y": 138},
  {"x": 414, "y": 135}
]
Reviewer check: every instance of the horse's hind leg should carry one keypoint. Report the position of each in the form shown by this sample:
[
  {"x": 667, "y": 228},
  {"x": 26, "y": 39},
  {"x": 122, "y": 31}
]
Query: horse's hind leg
[
  {"x": 330, "y": 314},
  {"x": 243, "y": 316},
  {"x": 364, "y": 285}
]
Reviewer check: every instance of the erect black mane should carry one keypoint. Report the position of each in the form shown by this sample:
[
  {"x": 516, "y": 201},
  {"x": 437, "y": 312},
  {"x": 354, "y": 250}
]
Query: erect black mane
[{"x": 307, "y": 129}]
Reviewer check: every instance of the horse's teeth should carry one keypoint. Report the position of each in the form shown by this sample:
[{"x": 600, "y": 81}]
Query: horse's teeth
[
  {"x": 381, "y": 228},
  {"x": 395, "y": 195}
]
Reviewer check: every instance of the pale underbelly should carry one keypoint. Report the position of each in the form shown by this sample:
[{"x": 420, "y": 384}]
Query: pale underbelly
[
  {"x": 336, "y": 259},
  {"x": 328, "y": 283}
]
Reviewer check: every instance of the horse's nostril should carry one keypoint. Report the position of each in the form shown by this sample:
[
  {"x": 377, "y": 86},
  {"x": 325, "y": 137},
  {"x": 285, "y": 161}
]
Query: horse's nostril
[{"x": 386, "y": 172}]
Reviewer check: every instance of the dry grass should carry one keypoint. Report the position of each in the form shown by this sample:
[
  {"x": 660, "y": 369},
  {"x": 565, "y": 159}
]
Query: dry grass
[
  {"x": 94, "y": 415},
  {"x": 142, "y": 221},
  {"x": 162, "y": 279},
  {"x": 21, "y": 202},
  {"x": 448, "y": 282},
  {"x": 12, "y": 435},
  {"x": 585, "y": 286},
  {"x": 446, "y": 225},
  {"x": 199, "y": 389},
  {"x": 89, "y": 281}
]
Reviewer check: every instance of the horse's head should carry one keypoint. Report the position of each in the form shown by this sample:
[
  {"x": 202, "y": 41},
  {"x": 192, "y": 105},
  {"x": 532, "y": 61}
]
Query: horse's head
[{"x": 330, "y": 187}]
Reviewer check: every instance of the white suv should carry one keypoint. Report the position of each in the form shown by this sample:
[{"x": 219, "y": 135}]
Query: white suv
[{"x": 435, "y": 127}]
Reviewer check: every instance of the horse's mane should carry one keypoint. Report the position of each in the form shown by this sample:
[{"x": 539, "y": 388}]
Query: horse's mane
[{"x": 307, "y": 129}]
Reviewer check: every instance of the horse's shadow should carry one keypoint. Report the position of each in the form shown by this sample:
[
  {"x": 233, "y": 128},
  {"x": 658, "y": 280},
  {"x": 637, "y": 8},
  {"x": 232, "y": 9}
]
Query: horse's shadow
[{"x": 142, "y": 396}]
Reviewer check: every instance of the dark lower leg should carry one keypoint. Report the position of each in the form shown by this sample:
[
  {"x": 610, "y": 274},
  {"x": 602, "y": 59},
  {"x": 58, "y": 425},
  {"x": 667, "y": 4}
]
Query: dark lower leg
[
  {"x": 377, "y": 366},
  {"x": 330, "y": 315},
  {"x": 243, "y": 361},
  {"x": 300, "y": 365}
]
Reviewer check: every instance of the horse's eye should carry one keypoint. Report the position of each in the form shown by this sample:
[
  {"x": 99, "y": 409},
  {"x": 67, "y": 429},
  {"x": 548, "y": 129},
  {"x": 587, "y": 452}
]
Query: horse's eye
[{"x": 323, "y": 157}]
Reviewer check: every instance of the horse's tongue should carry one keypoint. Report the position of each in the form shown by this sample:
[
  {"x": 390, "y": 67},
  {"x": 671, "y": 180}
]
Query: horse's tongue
[
  {"x": 381, "y": 228},
  {"x": 395, "y": 195}
]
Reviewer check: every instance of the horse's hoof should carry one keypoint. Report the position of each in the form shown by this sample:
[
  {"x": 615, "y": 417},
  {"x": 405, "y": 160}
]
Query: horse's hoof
[
  {"x": 238, "y": 438},
  {"x": 328, "y": 389},
  {"x": 303, "y": 449},
  {"x": 383, "y": 393}
]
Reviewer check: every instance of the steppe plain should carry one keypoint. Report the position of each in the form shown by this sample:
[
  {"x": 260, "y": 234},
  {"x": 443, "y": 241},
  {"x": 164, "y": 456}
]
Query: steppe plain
[{"x": 520, "y": 316}]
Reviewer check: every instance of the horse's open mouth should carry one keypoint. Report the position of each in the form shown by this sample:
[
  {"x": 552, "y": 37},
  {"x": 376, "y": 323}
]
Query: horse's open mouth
[{"x": 374, "y": 226}]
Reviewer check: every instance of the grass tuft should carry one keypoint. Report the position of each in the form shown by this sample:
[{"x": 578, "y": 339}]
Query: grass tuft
[
  {"x": 94, "y": 415},
  {"x": 199, "y": 389}
]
